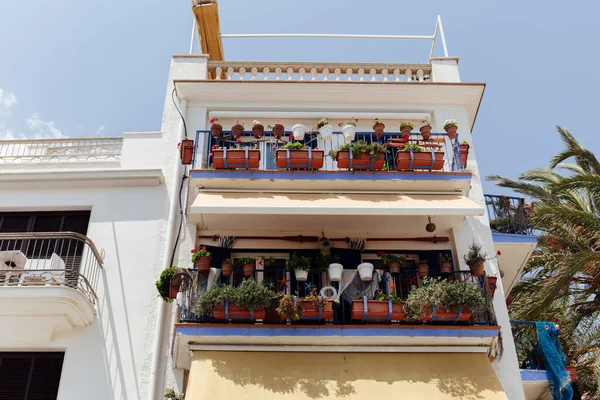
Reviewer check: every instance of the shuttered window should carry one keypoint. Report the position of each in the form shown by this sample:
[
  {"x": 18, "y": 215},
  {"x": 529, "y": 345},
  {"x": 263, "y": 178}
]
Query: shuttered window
[{"x": 30, "y": 376}]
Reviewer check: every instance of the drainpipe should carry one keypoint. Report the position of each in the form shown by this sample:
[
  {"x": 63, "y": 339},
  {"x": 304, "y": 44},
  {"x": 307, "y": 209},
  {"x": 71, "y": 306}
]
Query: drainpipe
[{"x": 171, "y": 225}]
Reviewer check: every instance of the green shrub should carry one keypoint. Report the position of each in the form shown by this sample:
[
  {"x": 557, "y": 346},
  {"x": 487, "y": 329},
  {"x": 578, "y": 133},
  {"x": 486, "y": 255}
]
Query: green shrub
[
  {"x": 162, "y": 284},
  {"x": 451, "y": 295},
  {"x": 298, "y": 262},
  {"x": 250, "y": 295}
]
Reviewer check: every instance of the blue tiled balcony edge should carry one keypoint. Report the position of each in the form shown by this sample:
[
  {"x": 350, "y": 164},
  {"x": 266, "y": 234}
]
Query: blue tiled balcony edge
[
  {"x": 528, "y": 375},
  {"x": 513, "y": 238}
]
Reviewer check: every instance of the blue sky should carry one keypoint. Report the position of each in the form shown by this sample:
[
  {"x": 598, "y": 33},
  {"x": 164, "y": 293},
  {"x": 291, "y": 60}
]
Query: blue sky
[{"x": 77, "y": 68}]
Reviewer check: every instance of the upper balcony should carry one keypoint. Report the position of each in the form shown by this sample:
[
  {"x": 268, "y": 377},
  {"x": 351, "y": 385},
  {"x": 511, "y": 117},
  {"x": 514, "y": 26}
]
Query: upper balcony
[
  {"x": 513, "y": 235},
  {"x": 48, "y": 285}
]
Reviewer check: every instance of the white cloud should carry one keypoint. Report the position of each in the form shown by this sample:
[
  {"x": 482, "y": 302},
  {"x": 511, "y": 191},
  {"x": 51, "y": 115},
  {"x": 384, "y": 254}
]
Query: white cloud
[
  {"x": 43, "y": 129},
  {"x": 5, "y": 132},
  {"x": 100, "y": 129},
  {"x": 8, "y": 101}
]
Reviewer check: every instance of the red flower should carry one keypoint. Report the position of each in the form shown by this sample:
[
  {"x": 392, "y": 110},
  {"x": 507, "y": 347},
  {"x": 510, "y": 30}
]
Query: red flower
[
  {"x": 214, "y": 147},
  {"x": 388, "y": 254},
  {"x": 393, "y": 287},
  {"x": 193, "y": 251},
  {"x": 203, "y": 247},
  {"x": 179, "y": 145},
  {"x": 210, "y": 154},
  {"x": 238, "y": 142},
  {"x": 499, "y": 253},
  {"x": 379, "y": 254},
  {"x": 556, "y": 320}
]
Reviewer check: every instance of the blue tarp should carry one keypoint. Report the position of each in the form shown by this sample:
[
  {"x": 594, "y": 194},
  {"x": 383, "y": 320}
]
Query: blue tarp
[{"x": 550, "y": 349}]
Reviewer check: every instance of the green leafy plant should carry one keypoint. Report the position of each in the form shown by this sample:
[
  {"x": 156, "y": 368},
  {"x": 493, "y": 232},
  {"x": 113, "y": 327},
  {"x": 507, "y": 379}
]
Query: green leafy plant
[
  {"x": 464, "y": 142},
  {"x": 376, "y": 121},
  {"x": 451, "y": 295},
  {"x": 385, "y": 297},
  {"x": 444, "y": 258},
  {"x": 425, "y": 123},
  {"x": 163, "y": 282},
  {"x": 352, "y": 122},
  {"x": 270, "y": 127},
  {"x": 359, "y": 147},
  {"x": 388, "y": 258},
  {"x": 217, "y": 294},
  {"x": 458, "y": 294},
  {"x": 289, "y": 309},
  {"x": 404, "y": 124},
  {"x": 324, "y": 121},
  {"x": 323, "y": 260},
  {"x": 298, "y": 262},
  {"x": 239, "y": 262},
  {"x": 198, "y": 252},
  {"x": 449, "y": 122},
  {"x": 412, "y": 146},
  {"x": 171, "y": 395},
  {"x": 318, "y": 302},
  {"x": 269, "y": 261},
  {"x": 294, "y": 146},
  {"x": 250, "y": 295},
  {"x": 475, "y": 255},
  {"x": 424, "y": 261},
  {"x": 227, "y": 261}
]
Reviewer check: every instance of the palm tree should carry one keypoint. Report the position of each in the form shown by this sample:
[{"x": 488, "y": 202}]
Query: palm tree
[{"x": 562, "y": 278}]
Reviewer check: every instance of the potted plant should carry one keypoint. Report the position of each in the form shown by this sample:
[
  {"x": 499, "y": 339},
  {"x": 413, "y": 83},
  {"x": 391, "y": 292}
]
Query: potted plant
[
  {"x": 298, "y": 132},
  {"x": 360, "y": 155},
  {"x": 239, "y": 156},
  {"x": 451, "y": 126},
  {"x": 289, "y": 309},
  {"x": 348, "y": 129},
  {"x": 171, "y": 395},
  {"x": 423, "y": 268},
  {"x": 365, "y": 271},
  {"x": 248, "y": 265},
  {"x": 331, "y": 263},
  {"x": 572, "y": 371},
  {"x": 186, "y": 151},
  {"x": 163, "y": 285},
  {"x": 475, "y": 259},
  {"x": 201, "y": 259},
  {"x": 393, "y": 262},
  {"x": 226, "y": 267},
  {"x": 278, "y": 130},
  {"x": 296, "y": 155},
  {"x": 325, "y": 128},
  {"x": 405, "y": 128},
  {"x": 464, "y": 152},
  {"x": 238, "y": 129},
  {"x": 300, "y": 265},
  {"x": 316, "y": 307},
  {"x": 257, "y": 129},
  {"x": 425, "y": 130},
  {"x": 378, "y": 309},
  {"x": 215, "y": 129},
  {"x": 412, "y": 156},
  {"x": 378, "y": 128},
  {"x": 445, "y": 261},
  {"x": 442, "y": 300}
]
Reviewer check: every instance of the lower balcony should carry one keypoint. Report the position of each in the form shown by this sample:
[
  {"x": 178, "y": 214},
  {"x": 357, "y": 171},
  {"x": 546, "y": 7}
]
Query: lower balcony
[
  {"x": 539, "y": 375},
  {"x": 47, "y": 285}
]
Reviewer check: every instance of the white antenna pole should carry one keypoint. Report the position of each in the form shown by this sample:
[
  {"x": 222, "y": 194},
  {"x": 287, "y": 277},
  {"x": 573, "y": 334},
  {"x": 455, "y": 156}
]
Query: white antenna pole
[
  {"x": 443, "y": 37},
  {"x": 435, "y": 32},
  {"x": 193, "y": 35}
]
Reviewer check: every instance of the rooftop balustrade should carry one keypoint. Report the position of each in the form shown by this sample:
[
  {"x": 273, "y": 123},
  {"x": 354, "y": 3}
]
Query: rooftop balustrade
[{"x": 35, "y": 151}]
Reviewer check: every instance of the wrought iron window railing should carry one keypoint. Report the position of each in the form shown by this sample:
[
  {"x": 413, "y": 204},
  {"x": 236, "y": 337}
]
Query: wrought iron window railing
[{"x": 509, "y": 214}]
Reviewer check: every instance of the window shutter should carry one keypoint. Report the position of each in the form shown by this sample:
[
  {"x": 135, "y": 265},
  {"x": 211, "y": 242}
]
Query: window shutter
[{"x": 30, "y": 376}]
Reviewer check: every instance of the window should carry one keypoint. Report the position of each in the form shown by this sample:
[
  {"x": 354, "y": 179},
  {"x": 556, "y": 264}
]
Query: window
[{"x": 30, "y": 376}]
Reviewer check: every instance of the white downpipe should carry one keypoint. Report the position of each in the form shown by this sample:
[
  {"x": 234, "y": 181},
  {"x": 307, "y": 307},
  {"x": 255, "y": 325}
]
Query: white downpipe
[{"x": 177, "y": 173}]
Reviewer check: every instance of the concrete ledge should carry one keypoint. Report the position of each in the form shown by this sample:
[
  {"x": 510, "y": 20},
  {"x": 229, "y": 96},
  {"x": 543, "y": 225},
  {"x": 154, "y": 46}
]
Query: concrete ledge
[{"x": 513, "y": 238}]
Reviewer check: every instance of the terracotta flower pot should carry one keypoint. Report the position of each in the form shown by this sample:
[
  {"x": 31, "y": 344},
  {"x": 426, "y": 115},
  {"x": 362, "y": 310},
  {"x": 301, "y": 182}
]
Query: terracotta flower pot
[
  {"x": 478, "y": 269},
  {"x": 443, "y": 314},
  {"x": 226, "y": 270},
  {"x": 248, "y": 270},
  {"x": 423, "y": 270},
  {"x": 278, "y": 131},
  {"x": 464, "y": 153},
  {"x": 425, "y": 132},
  {"x": 236, "y": 312},
  {"x": 215, "y": 130},
  {"x": 405, "y": 130},
  {"x": 378, "y": 129},
  {"x": 186, "y": 151},
  {"x": 451, "y": 131},
  {"x": 395, "y": 268},
  {"x": 237, "y": 130},
  {"x": 173, "y": 290},
  {"x": 236, "y": 159},
  {"x": 421, "y": 160},
  {"x": 377, "y": 310},
  {"x": 362, "y": 162},
  {"x": 492, "y": 283},
  {"x": 299, "y": 159},
  {"x": 572, "y": 370},
  {"x": 203, "y": 265},
  {"x": 258, "y": 130},
  {"x": 446, "y": 268},
  {"x": 310, "y": 311}
]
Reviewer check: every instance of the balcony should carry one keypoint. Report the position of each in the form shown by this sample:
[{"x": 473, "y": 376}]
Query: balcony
[
  {"x": 513, "y": 235},
  {"x": 536, "y": 373},
  {"x": 48, "y": 284}
]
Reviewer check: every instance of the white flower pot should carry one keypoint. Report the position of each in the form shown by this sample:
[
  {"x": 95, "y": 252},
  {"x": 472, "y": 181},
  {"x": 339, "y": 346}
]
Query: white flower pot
[
  {"x": 335, "y": 272},
  {"x": 349, "y": 131},
  {"x": 365, "y": 270},
  {"x": 299, "y": 130},
  {"x": 301, "y": 275},
  {"x": 326, "y": 131}
]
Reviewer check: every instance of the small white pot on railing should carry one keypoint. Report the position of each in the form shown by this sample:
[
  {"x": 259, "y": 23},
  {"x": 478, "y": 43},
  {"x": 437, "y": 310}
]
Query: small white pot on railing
[
  {"x": 335, "y": 272},
  {"x": 299, "y": 130},
  {"x": 326, "y": 132},
  {"x": 301, "y": 275},
  {"x": 365, "y": 270},
  {"x": 349, "y": 132}
]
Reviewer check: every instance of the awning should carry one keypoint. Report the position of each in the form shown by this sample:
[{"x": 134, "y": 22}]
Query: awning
[
  {"x": 334, "y": 204},
  {"x": 354, "y": 376}
]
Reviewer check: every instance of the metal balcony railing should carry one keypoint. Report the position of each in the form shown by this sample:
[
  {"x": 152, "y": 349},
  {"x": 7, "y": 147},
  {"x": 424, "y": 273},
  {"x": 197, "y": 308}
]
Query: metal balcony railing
[
  {"x": 509, "y": 214},
  {"x": 36, "y": 151},
  {"x": 268, "y": 145},
  {"x": 282, "y": 280},
  {"x": 50, "y": 259}
]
